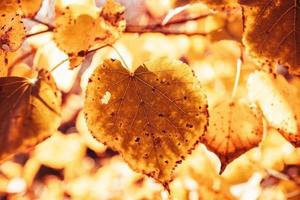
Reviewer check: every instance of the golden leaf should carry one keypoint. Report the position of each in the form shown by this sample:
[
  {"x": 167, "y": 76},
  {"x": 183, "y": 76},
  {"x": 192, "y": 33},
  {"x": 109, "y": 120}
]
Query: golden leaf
[
  {"x": 12, "y": 29},
  {"x": 272, "y": 31},
  {"x": 87, "y": 138},
  {"x": 272, "y": 154},
  {"x": 71, "y": 33},
  {"x": 193, "y": 177},
  {"x": 73, "y": 21},
  {"x": 52, "y": 152},
  {"x": 277, "y": 99},
  {"x": 154, "y": 117},
  {"x": 234, "y": 128},
  {"x": 29, "y": 112},
  {"x": 30, "y": 7}
]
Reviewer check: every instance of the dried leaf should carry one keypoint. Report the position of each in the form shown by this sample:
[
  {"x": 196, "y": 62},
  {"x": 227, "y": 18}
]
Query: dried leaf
[
  {"x": 113, "y": 23},
  {"x": 234, "y": 128},
  {"x": 272, "y": 31},
  {"x": 277, "y": 99},
  {"x": 12, "y": 29},
  {"x": 154, "y": 117},
  {"x": 29, "y": 112}
]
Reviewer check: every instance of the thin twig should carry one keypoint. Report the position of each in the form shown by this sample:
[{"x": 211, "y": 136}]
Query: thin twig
[
  {"x": 172, "y": 22},
  {"x": 59, "y": 64},
  {"x": 159, "y": 27},
  {"x": 165, "y": 32},
  {"x": 41, "y": 22},
  {"x": 39, "y": 32},
  {"x": 88, "y": 52}
]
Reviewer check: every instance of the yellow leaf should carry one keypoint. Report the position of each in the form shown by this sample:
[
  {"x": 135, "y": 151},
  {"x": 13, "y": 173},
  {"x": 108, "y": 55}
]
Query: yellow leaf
[
  {"x": 272, "y": 31},
  {"x": 52, "y": 152},
  {"x": 193, "y": 177},
  {"x": 29, "y": 112},
  {"x": 71, "y": 33},
  {"x": 23, "y": 70},
  {"x": 234, "y": 128},
  {"x": 276, "y": 151},
  {"x": 154, "y": 117},
  {"x": 30, "y": 7},
  {"x": 277, "y": 99},
  {"x": 273, "y": 154}
]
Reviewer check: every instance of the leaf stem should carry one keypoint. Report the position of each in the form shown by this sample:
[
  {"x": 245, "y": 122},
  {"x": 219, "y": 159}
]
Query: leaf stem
[
  {"x": 88, "y": 52},
  {"x": 59, "y": 64},
  {"x": 239, "y": 64}
]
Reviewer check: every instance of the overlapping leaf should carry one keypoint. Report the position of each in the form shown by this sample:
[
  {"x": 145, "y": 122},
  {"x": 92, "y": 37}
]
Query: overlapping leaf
[
  {"x": 30, "y": 7},
  {"x": 71, "y": 33},
  {"x": 12, "y": 30},
  {"x": 113, "y": 24},
  {"x": 234, "y": 128},
  {"x": 279, "y": 103},
  {"x": 29, "y": 112},
  {"x": 193, "y": 177},
  {"x": 272, "y": 30},
  {"x": 79, "y": 27},
  {"x": 153, "y": 117},
  {"x": 273, "y": 154}
]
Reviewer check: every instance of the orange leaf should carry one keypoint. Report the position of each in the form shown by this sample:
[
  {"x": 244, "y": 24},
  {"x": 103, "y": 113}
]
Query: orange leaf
[
  {"x": 153, "y": 117},
  {"x": 12, "y": 29},
  {"x": 29, "y": 112},
  {"x": 234, "y": 128},
  {"x": 279, "y": 103},
  {"x": 272, "y": 31}
]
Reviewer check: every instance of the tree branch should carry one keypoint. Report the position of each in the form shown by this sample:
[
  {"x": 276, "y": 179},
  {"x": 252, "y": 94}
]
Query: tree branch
[
  {"x": 160, "y": 28},
  {"x": 39, "y": 32}
]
